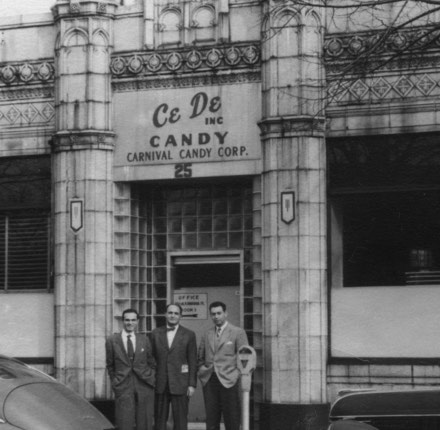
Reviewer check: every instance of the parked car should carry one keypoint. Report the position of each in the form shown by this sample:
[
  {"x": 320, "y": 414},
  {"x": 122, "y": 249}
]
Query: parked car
[
  {"x": 32, "y": 400},
  {"x": 386, "y": 410}
]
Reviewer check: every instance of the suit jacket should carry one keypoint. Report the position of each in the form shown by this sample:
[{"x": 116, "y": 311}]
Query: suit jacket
[
  {"x": 176, "y": 365},
  {"x": 220, "y": 355},
  {"x": 124, "y": 374}
]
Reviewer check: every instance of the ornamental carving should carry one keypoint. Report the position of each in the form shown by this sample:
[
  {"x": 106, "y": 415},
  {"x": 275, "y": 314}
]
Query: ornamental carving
[
  {"x": 74, "y": 7},
  {"x": 18, "y": 114},
  {"x": 182, "y": 60},
  {"x": 383, "y": 88},
  {"x": 26, "y": 93},
  {"x": 102, "y": 8},
  {"x": 8, "y": 74},
  {"x": 185, "y": 81},
  {"x": 404, "y": 41},
  {"x": 136, "y": 64},
  {"x": 26, "y": 72},
  {"x": 194, "y": 60}
]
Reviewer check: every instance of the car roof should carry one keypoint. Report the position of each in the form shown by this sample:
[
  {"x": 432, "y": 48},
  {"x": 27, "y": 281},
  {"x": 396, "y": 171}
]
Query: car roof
[{"x": 387, "y": 404}]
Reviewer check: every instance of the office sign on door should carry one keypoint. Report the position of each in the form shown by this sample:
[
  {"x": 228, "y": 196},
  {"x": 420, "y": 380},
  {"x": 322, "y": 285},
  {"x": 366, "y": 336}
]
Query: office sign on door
[{"x": 194, "y": 306}]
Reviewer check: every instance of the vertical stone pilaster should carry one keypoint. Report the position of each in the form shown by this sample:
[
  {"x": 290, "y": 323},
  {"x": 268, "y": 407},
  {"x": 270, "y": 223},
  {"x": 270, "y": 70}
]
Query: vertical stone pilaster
[
  {"x": 82, "y": 169},
  {"x": 294, "y": 254}
]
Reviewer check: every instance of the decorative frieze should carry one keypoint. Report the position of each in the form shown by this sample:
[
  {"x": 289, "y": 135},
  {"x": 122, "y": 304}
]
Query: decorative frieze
[
  {"x": 186, "y": 81},
  {"x": 29, "y": 114},
  {"x": 383, "y": 88},
  {"x": 373, "y": 52},
  {"x": 27, "y": 72},
  {"x": 382, "y": 66},
  {"x": 26, "y": 93},
  {"x": 184, "y": 61},
  {"x": 381, "y": 42}
]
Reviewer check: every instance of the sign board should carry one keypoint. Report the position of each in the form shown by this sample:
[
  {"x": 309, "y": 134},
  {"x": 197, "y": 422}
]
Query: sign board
[
  {"x": 194, "y": 306},
  {"x": 187, "y": 127}
]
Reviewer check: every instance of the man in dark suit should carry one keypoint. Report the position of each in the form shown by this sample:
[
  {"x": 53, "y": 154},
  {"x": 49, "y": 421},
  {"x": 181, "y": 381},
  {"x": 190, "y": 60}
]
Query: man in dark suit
[
  {"x": 218, "y": 371},
  {"x": 130, "y": 365},
  {"x": 175, "y": 352}
]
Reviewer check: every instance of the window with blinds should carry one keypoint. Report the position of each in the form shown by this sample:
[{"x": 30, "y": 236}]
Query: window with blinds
[
  {"x": 25, "y": 223},
  {"x": 24, "y": 251}
]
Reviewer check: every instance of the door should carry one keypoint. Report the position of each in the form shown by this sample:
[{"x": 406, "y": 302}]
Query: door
[{"x": 196, "y": 281}]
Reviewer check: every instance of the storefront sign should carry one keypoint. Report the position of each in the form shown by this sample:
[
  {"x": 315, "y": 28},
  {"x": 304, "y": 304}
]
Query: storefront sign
[
  {"x": 186, "y": 126},
  {"x": 194, "y": 306}
]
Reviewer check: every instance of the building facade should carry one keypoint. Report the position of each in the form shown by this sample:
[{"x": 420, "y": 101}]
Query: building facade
[{"x": 280, "y": 156}]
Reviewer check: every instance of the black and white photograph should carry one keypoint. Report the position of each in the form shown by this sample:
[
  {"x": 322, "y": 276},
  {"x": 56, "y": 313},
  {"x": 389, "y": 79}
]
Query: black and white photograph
[{"x": 220, "y": 214}]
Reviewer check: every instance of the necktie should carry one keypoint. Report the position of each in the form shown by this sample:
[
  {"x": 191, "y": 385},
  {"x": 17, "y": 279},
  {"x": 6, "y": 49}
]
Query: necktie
[
  {"x": 219, "y": 331},
  {"x": 130, "y": 349},
  {"x": 171, "y": 328}
]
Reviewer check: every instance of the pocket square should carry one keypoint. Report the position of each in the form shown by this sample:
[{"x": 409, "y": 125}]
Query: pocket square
[{"x": 228, "y": 342}]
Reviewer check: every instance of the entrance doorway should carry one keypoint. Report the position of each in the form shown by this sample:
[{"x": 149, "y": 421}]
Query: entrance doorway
[{"x": 196, "y": 280}]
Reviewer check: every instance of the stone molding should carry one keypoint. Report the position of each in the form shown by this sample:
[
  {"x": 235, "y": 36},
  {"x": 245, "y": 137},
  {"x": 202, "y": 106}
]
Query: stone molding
[
  {"x": 211, "y": 58},
  {"x": 293, "y": 126},
  {"x": 27, "y": 93},
  {"x": 82, "y": 140},
  {"x": 187, "y": 81},
  {"x": 75, "y": 8}
]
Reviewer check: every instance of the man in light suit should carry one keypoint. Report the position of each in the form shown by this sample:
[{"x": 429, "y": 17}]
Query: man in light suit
[
  {"x": 218, "y": 372},
  {"x": 130, "y": 365},
  {"x": 175, "y": 351}
]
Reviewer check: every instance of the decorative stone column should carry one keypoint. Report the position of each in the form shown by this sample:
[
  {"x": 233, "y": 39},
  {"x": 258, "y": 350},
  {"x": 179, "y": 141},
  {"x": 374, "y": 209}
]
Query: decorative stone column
[
  {"x": 82, "y": 173},
  {"x": 293, "y": 241}
]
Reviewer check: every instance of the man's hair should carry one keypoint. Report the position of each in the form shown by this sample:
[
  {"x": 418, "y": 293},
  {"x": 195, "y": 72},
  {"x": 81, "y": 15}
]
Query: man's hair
[
  {"x": 130, "y": 311},
  {"x": 177, "y": 305},
  {"x": 216, "y": 305}
]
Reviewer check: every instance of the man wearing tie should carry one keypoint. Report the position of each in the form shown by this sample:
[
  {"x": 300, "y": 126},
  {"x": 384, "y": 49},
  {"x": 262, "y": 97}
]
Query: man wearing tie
[
  {"x": 218, "y": 371},
  {"x": 175, "y": 352},
  {"x": 130, "y": 365}
]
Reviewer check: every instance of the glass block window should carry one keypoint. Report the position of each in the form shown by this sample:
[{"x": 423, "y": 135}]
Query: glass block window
[{"x": 150, "y": 221}]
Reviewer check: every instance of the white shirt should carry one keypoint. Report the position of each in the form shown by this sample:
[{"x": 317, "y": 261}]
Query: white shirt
[
  {"x": 124, "y": 339},
  {"x": 171, "y": 334}
]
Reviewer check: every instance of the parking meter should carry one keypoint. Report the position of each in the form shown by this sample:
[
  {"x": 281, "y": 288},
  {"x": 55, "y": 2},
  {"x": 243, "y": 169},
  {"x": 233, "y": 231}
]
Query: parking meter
[{"x": 246, "y": 362}]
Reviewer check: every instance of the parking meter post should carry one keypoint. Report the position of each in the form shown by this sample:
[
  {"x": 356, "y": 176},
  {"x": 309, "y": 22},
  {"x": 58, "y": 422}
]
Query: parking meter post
[
  {"x": 245, "y": 411},
  {"x": 246, "y": 362}
]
